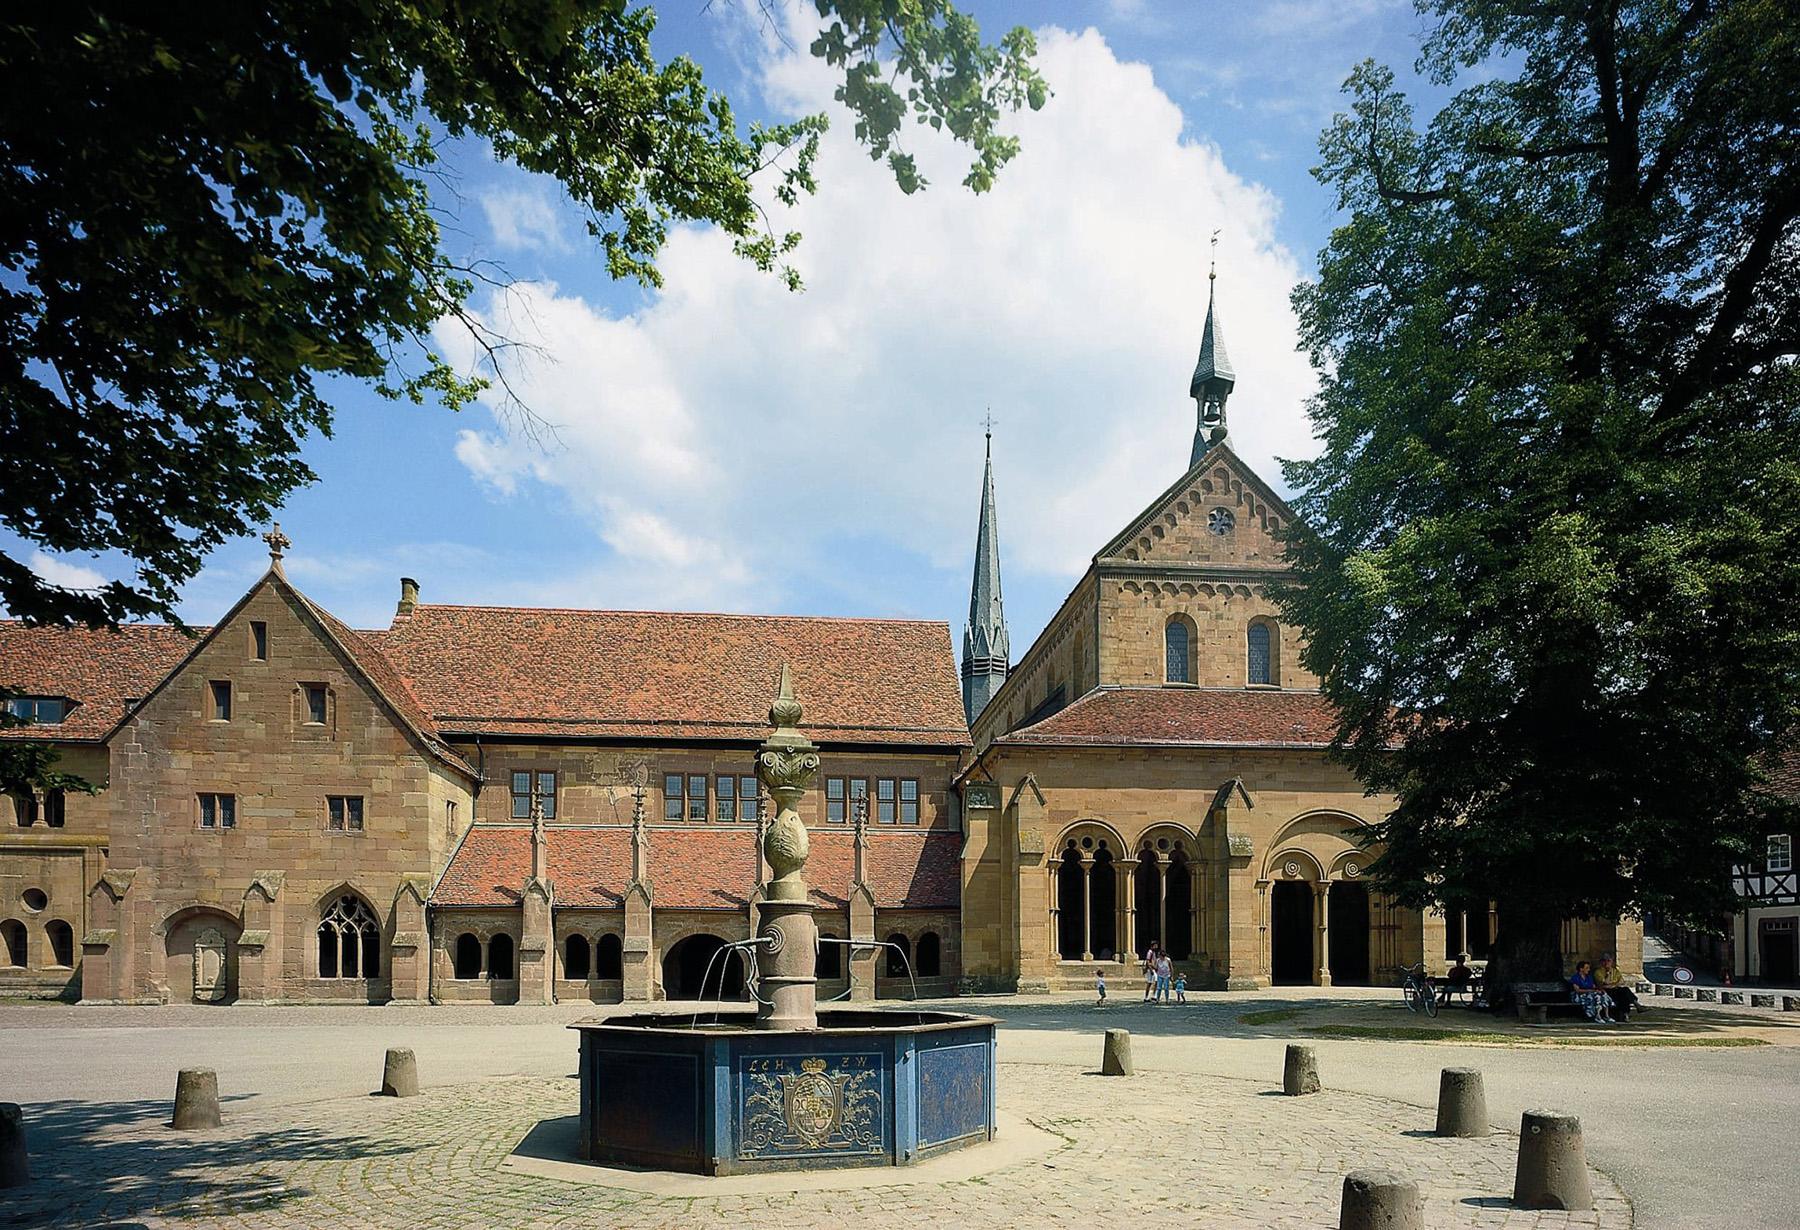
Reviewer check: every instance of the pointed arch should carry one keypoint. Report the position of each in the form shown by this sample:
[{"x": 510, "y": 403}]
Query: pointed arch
[{"x": 349, "y": 938}]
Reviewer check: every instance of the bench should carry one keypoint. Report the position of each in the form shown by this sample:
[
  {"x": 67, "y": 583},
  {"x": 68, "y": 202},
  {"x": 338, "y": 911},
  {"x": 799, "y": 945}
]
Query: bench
[{"x": 1535, "y": 1001}]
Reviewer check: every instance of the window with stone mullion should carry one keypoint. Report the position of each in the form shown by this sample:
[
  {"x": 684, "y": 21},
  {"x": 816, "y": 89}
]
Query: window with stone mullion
[{"x": 522, "y": 782}]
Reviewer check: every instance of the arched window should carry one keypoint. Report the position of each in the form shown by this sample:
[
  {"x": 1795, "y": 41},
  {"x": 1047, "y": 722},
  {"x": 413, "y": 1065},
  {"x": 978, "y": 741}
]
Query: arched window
[
  {"x": 467, "y": 958},
  {"x": 1176, "y": 652},
  {"x": 831, "y": 957},
  {"x": 500, "y": 963},
  {"x": 609, "y": 957},
  {"x": 1071, "y": 906},
  {"x": 349, "y": 940},
  {"x": 12, "y": 932},
  {"x": 575, "y": 958},
  {"x": 62, "y": 942},
  {"x": 899, "y": 956},
  {"x": 927, "y": 957},
  {"x": 1261, "y": 661}
]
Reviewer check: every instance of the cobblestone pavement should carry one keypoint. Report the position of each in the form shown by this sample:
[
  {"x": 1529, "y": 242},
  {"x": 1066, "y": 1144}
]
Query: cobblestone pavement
[{"x": 1182, "y": 1148}]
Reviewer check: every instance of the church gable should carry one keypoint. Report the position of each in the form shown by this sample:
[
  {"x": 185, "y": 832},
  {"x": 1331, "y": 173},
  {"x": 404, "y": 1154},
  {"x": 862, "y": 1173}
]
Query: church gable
[{"x": 1219, "y": 513}]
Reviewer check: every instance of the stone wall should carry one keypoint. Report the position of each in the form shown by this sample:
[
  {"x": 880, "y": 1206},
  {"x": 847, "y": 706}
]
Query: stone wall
[
  {"x": 58, "y": 863},
  {"x": 1135, "y": 611},
  {"x": 260, "y": 887}
]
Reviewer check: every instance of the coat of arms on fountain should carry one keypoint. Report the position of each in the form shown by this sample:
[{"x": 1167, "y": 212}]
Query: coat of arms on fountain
[{"x": 786, "y": 764}]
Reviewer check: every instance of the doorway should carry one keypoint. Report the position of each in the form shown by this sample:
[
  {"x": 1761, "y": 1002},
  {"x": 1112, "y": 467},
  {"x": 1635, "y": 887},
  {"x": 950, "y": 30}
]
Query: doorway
[
  {"x": 1347, "y": 923},
  {"x": 1779, "y": 952},
  {"x": 1291, "y": 933},
  {"x": 696, "y": 958}
]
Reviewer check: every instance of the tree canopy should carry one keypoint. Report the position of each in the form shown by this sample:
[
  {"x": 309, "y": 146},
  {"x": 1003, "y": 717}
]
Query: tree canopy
[
  {"x": 1552, "y": 571},
  {"x": 206, "y": 208}
]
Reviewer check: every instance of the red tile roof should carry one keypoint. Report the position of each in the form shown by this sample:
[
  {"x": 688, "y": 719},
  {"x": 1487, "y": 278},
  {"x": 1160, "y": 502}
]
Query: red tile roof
[
  {"x": 1784, "y": 772},
  {"x": 695, "y": 869},
  {"x": 648, "y": 675},
  {"x": 100, "y": 669},
  {"x": 1182, "y": 717}
]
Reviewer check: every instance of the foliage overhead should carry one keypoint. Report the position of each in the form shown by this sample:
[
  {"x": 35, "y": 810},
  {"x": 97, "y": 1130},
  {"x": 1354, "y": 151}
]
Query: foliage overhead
[
  {"x": 207, "y": 208},
  {"x": 1552, "y": 570}
]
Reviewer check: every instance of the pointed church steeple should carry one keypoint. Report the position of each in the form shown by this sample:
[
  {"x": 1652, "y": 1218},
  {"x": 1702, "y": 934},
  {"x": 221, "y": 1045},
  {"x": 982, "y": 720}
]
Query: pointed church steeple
[
  {"x": 1213, "y": 378},
  {"x": 986, "y": 651}
]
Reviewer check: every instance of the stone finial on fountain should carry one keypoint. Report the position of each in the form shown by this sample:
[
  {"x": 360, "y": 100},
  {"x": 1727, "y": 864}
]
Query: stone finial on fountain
[{"x": 786, "y": 764}]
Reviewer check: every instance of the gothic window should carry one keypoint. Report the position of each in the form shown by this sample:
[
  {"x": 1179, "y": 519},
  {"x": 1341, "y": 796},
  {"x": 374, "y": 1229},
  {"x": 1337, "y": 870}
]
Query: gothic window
[
  {"x": 218, "y": 811},
  {"x": 1175, "y": 652},
  {"x": 221, "y": 700},
  {"x": 575, "y": 958},
  {"x": 831, "y": 957},
  {"x": 609, "y": 957},
  {"x": 523, "y": 784},
  {"x": 1261, "y": 664},
  {"x": 12, "y": 932},
  {"x": 62, "y": 943},
  {"x": 466, "y": 960},
  {"x": 500, "y": 957},
  {"x": 899, "y": 956},
  {"x": 928, "y": 957},
  {"x": 349, "y": 940},
  {"x": 344, "y": 813}
]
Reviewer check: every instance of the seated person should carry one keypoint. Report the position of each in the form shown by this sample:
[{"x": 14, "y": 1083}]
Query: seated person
[
  {"x": 1457, "y": 978},
  {"x": 1611, "y": 979},
  {"x": 1595, "y": 1002}
]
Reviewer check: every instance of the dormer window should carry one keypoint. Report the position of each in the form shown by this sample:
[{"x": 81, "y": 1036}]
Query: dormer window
[{"x": 40, "y": 710}]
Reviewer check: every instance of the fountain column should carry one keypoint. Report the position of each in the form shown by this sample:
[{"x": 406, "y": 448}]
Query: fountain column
[{"x": 786, "y": 763}]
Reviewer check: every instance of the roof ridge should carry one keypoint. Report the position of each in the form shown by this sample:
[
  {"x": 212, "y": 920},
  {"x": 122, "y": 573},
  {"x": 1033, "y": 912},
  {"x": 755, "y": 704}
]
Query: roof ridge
[{"x": 746, "y": 615}]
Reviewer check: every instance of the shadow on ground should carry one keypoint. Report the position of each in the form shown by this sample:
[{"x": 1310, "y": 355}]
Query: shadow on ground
[{"x": 110, "y": 1164}]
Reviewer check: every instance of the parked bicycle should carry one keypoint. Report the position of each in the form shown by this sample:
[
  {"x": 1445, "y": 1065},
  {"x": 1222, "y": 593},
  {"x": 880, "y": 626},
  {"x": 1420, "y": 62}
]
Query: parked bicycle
[{"x": 1418, "y": 989}]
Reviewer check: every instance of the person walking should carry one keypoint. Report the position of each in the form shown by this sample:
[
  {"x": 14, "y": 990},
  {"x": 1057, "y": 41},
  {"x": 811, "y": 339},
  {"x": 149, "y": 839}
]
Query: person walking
[
  {"x": 1165, "y": 973},
  {"x": 1150, "y": 955},
  {"x": 1100, "y": 988},
  {"x": 1181, "y": 988}
]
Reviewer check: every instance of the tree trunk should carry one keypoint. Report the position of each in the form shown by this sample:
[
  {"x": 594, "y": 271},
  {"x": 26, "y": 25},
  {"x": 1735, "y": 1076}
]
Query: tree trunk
[{"x": 1527, "y": 949}]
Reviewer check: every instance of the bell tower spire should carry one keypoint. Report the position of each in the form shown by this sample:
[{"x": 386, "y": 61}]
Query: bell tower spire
[
  {"x": 1213, "y": 378},
  {"x": 986, "y": 650}
]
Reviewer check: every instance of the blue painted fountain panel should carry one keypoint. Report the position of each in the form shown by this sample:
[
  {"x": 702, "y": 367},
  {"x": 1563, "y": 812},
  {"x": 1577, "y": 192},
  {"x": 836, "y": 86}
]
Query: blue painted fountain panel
[
  {"x": 817, "y": 1105},
  {"x": 955, "y": 1093}
]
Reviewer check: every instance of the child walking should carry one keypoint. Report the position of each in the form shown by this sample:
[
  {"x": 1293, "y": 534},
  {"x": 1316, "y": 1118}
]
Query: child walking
[
  {"x": 1181, "y": 988},
  {"x": 1100, "y": 988}
]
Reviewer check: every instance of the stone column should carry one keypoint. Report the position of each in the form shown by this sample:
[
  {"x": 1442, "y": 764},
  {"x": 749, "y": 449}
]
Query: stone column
[
  {"x": 786, "y": 764},
  {"x": 1087, "y": 909},
  {"x": 1131, "y": 912},
  {"x": 537, "y": 935},
  {"x": 638, "y": 955},
  {"x": 1322, "y": 903}
]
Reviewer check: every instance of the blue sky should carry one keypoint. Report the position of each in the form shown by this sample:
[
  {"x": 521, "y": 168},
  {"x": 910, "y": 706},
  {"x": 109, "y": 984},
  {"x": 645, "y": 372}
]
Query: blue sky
[{"x": 724, "y": 444}]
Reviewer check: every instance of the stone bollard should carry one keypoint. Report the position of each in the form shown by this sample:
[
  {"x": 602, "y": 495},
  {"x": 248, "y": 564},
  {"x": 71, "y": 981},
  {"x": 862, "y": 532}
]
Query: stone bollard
[
  {"x": 1300, "y": 1072},
  {"x": 15, "y": 1166},
  {"x": 1380, "y": 1200},
  {"x": 1462, "y": 1104},
  {"x": 1731, "y": 997},
  {"x": 1706, "y": 995},
  {"x": 1762, "y": 1001},
  {"x": 1682, "y": 992},
  {"x": 1552, "y": 1171},
  {"x": 1115, "y": 1060},
  {"x": 1662, "y": 988},
  {"x": 196, "y": 1100},
  {"x": 400, "y": 1074}
]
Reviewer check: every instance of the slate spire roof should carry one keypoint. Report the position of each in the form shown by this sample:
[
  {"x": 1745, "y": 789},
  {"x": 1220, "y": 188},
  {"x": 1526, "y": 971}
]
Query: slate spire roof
[
  {"x": 1213, "y": 379},
  {"x": 986, "y": 650}
]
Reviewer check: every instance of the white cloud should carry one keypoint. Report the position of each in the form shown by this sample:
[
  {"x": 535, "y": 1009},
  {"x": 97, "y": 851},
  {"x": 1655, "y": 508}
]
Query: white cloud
[
  {"x": 525, "y": 219},
  {"x": 734, "y": 443},
  {"x": 61, "y": 572}
]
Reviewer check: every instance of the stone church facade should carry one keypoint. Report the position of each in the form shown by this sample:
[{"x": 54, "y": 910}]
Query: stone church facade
[{"x": 503, "y": 804}]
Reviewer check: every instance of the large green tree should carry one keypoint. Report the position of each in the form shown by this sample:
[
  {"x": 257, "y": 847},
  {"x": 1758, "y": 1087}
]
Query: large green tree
[
  {"x": 1552, "y": 571},
  {"x": 209, "y": 206}
]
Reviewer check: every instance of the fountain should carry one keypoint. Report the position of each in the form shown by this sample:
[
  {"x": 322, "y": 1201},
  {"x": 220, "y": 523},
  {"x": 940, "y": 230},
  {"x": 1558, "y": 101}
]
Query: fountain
[{"x": 789, "y": 1087}]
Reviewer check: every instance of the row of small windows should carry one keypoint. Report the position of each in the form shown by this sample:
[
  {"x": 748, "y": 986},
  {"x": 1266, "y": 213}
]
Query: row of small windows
[
  {"x": 315, "y": 699},
  {"x": 13, "y": 943},
  {"x": 896, "y": 799},
  {"x": 733, "y": 797},
  {"x": 343, "y": 812},
  {"x": 1178, "y": 652},
  {"x": 466, "y": 957}
]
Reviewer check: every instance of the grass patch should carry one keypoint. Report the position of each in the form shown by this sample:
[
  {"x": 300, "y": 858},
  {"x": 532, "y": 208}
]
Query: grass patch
[
  {"x": 1418, "y": 1033},
  {"x": 1271, "y": 1016}
]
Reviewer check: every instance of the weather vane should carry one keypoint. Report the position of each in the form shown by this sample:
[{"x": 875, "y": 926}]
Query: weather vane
[{"x": 1212, "y": 270}]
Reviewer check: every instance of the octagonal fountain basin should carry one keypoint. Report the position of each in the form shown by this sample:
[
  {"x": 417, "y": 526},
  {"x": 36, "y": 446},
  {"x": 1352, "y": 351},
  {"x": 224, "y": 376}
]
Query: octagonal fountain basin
[{"x": 867, "y": 1088}]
